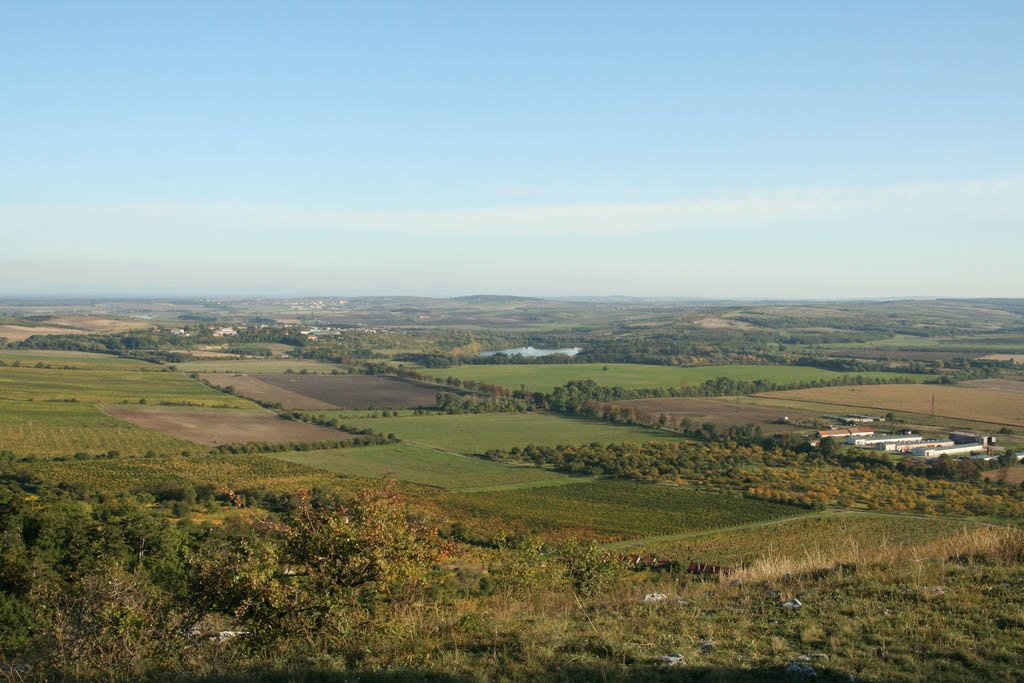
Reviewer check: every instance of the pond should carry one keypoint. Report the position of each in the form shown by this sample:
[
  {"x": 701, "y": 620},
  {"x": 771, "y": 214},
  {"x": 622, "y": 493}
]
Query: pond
[{"x": 530, "y": 352}]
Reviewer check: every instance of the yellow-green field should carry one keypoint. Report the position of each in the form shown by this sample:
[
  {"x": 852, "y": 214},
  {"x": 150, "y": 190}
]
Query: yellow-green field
[
  {"x": 220, "y": 471},
  {"x": 113, "y": 385},
  {"x": 469, "y": 433},
  {"x": 419, "y": 465},
  {"x": 49, "y": 429},
  {"x": 80, "y": 360},
  {"x": 610, "y": 510},
  {"x": 258, "y": 366}
]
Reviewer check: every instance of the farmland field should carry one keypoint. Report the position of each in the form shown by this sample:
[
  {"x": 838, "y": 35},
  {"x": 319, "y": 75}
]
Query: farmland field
[
  {"x": 47, "y": 429},
  {"x": 545, "y": 378},
  {"x": 1015, "y": 357},
  {"x": 214, "y": 426},
  {"x": 110, "y": 386},
  {"x": 69, "y": 325},
  {"x": 1010, "y": 475},
  {"x": 222, "y": 471},
  {"x": 479, "y": 433},
  {"x": 331, "y": 391},
  {"x": 256, "y": 366},
  {"x": 17, "y": 333},
  {"x": 614, "y": 510},
  {"x": 984, "y": 405},
  {"x": 75, "y": 359},
  {"x": 258, "y": 390},
  {"x": 720, "y": 411},
  {"x": 995, "y": 384},
  {"x": 419, "y": 465}
]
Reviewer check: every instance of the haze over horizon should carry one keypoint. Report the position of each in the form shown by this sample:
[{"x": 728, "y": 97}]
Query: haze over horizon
[{"x": 736, "y": 151}]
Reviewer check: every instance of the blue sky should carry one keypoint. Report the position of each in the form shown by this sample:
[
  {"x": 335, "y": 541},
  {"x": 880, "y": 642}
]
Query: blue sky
[{"x": 756, "y": 149}]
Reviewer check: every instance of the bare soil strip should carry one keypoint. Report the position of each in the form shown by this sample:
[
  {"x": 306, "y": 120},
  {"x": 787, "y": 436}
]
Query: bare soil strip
[
  {"x": 357, "y": 392},
  {"x": 215, "y": 426},
  {"x": 258, "y": 390}
]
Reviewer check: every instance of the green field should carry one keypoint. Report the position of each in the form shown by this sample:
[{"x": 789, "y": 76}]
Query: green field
[
  {"x": 479, "y": 433},
  {"x": 220, "y": 471},
  {"x": 75, "y": 359},
  {"x": 611, "y": 510},
  {"x": 424, "y": 466},
  {"x": 111, "y": 386},
  {"x": 544, "y": 378},
  {"x": 258, "y": 366}
]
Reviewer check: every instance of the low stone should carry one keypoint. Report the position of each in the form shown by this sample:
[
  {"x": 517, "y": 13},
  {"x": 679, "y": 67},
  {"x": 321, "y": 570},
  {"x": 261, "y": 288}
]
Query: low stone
[
  {"x": 801, "y": 669},
  {"x": 672, "y": 659}
]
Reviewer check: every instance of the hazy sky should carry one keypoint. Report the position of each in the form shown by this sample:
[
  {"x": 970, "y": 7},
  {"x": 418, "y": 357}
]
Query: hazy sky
[{"x": 716, "y": 149}]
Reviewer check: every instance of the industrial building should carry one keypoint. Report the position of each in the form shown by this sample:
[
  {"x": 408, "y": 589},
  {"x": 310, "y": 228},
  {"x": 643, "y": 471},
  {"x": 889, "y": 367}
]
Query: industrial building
[
  {"x": 971, "y": 437},
  {"x": 909, "y": 447},
  {"x": 884, "y": 442},
  {"x": 955, "y": 450}
]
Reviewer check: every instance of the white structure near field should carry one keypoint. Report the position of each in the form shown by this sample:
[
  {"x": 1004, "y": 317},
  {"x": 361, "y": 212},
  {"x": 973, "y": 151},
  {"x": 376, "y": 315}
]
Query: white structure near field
[
  {"x": 884, "y": 442},
  {"x": 953, "y": 450}
]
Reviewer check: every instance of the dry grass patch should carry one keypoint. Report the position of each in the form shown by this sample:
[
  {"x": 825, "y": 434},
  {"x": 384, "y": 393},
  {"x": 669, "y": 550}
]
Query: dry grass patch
[{"x": 986, "y": 405}]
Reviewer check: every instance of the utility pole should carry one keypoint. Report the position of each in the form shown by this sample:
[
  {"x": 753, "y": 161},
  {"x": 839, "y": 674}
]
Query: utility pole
[{"x": 933, "y": 404}]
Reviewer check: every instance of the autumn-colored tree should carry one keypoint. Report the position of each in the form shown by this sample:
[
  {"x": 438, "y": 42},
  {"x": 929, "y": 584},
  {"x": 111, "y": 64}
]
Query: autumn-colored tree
[{"x": 317, "y": 569}]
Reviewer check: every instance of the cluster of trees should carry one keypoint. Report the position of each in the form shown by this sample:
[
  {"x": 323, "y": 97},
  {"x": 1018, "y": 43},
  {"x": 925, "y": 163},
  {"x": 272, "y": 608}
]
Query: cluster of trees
[
  {"x": 806, "y": 477},
  {"x": 281, "y": 447},
  {"x": 366, "y": 436},
  {"x": 452, "y": 404},
  {"x": 570, "y": 397}
]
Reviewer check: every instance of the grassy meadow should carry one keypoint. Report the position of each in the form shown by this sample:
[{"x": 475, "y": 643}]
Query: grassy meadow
[
  {"x": 545, "y": 378},
  {"x": 813, "y": 535},
  {"x": 478, "y": 433}
]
